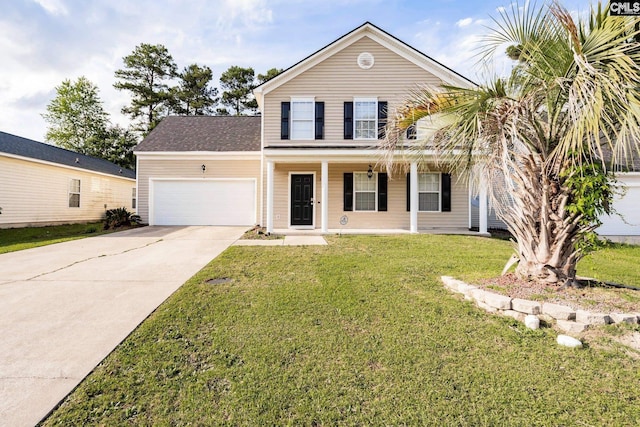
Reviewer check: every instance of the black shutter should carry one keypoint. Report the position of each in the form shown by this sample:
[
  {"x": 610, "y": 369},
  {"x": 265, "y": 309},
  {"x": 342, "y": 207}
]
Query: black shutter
[
  {"x": 411, "y": 132},
  {"x": 382, "y": 118},
  {"x": 382, "y": 192},
  {"x": 348, "y": 191},
  {"x": 285, "y": 107},
  {"x": 348, "y": 120},
  {"x": 408, "y": 191},
  {"x": 446, "y": 192},
  {"x": 319, "y": 120}
]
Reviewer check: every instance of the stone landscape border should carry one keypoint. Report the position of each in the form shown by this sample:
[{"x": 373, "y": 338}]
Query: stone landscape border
[{"x": 563, "y": 317}]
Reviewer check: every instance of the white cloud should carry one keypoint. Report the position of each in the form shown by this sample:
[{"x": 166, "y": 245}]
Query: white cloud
[
  {"x": 464, "y": 22},
  {"x": 54, "y": 7}
]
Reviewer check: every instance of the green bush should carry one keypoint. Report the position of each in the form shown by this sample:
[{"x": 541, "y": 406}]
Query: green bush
[{"x": 120, "y": 217}]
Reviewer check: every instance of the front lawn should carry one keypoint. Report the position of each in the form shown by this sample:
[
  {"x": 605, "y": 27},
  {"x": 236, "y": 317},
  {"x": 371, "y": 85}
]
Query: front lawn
[
  {"x": 17, "y": 239},
  {"x": 360, "y": 332}
]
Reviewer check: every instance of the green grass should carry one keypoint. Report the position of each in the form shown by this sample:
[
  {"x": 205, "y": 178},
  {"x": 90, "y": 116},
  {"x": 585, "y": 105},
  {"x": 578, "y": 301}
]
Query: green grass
[
  {"x": 360, "y": 332},
  {"x": 616, "y": 263},
  {"x": 17, "y": 239}
]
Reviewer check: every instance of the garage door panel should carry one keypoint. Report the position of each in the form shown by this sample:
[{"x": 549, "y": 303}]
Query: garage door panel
[{"x": 207, "y": 202}]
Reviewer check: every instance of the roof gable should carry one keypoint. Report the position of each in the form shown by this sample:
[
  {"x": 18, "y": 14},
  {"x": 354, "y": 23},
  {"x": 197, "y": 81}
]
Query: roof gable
[
  {"x": 445, "y": 74},
  {"x": 203, "y": 133},
  {"x": 28, "y": 148}
]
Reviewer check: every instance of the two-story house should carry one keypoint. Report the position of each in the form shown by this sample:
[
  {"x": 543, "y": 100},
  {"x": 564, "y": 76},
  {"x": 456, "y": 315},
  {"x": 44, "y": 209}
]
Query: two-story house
[{"x": 311, "y": 159}]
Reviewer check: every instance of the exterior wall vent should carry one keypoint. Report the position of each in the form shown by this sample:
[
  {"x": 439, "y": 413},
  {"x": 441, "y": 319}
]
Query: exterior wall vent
[{"x": 365, "y": 60}]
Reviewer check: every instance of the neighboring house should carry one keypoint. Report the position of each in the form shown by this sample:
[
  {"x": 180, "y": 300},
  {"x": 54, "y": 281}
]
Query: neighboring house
[
  {"x": 626, "y": 220},
  {"x": 44, "y": 185},
  {"x": 310, "y": 161}
]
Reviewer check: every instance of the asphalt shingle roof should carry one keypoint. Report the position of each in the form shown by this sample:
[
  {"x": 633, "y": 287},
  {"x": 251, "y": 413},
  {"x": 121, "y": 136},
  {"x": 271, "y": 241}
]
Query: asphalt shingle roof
[
  {"x": 19, "y": 146},
  {"x": 204, "y": 133}
]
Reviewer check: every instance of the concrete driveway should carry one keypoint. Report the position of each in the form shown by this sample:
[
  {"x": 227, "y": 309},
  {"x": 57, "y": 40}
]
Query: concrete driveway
[{"x": 65, "y": 307}]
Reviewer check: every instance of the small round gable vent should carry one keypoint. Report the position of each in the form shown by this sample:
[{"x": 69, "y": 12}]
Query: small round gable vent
[{"x": 365, "y": 60}]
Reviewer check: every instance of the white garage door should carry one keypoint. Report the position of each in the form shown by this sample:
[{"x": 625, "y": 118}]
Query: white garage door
[
  {"x": 628, "y": 207},
  {"x": 203, "y": 202}
]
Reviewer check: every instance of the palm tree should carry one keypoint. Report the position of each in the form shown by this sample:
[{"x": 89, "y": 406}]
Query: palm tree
[{"x": 545, "y": 138}]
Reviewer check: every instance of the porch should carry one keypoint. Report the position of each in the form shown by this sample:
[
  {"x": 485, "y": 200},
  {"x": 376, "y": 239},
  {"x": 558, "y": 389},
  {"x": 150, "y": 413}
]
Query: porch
[{"x": 340, "y": 192}]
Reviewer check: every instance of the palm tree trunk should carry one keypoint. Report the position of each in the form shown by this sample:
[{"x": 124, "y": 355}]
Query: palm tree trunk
[{"x": 544, "y": 230}]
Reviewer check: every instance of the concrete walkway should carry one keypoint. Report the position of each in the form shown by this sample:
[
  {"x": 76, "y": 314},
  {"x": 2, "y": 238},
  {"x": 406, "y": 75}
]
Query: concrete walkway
[{"x": 65, "y": 307}]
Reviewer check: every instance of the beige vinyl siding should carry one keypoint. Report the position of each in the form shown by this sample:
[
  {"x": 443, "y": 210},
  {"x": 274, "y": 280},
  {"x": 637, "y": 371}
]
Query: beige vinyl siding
[
  {"x": 396, "y": 217},
  {"x": 492, "y": 219},
  {"x": 33, "y": 193},
  {"x": 190, "y": 169},
  {"x": 338, "y": 79}
]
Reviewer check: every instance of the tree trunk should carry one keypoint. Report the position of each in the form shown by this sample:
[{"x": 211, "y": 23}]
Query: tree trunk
[{"x": 544, "y": 230}]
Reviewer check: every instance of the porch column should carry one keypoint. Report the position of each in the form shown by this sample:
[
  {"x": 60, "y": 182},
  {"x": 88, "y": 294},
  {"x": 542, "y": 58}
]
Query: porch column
[
  {"x": 414, "y": 197},
  {"x": 270, "y": 169},
  {"x": 483, "y": 209},
  {"x": 325, "y": 196}
]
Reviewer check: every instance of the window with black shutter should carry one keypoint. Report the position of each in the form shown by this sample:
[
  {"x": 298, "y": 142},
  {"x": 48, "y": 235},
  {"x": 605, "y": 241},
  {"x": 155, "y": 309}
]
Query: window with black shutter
[
  {"x": 434, "y": 192},
  {"x": 319, "y": 120},
  {"x": 348, "y": 191},
  {"x": 348, "y": 120},
  {"x": 382, "y": 119},
  {"x": 285, "y": 108}
]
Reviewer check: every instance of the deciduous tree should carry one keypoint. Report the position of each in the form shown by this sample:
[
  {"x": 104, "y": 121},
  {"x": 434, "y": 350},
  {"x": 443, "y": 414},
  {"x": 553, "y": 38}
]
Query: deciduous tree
[{"x": 75, "y": 116}]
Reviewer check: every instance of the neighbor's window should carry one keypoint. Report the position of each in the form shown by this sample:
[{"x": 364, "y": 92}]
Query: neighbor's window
[
  {"x": 133, "y": 198},
  {"x": 429, "y": 192},
  {"x": 302, "y": 116},
  {"x": 364, "y": 189},
  {"x": 365, "y": 118},
  {"x": 74, "y": 193}
]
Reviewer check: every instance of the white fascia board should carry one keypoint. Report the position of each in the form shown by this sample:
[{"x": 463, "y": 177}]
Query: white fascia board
[
  {"x": 59, "y": 165},
  {"x": 198, "y": 155}
]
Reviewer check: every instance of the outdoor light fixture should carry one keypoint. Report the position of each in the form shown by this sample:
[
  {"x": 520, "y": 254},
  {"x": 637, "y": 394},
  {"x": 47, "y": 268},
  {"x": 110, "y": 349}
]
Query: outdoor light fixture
[
  {"x": 204, "y": 168},
  {"x": 370, "y": 172}
]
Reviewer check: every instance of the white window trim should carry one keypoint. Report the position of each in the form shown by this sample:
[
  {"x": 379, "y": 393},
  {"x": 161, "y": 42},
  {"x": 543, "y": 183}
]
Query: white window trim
[
  {"x": 355, "y": 101},
  {"x": 313, "y": 117},
  {"x": 439, "y": 192},
  {"x": 134, "y": 198},
  {"x": 374, "y": 178},
  {"x": 70, "y": 193}
]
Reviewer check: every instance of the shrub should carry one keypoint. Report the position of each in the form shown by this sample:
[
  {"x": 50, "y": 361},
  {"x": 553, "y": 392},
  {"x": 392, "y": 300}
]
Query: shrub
[{"x": 120, "y": 217}]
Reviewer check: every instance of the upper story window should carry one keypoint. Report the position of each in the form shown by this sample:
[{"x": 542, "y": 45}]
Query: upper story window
[
  {"x": 302, "y": 119},
  {"x": 365, "y": 118},
  {"x": 74, "y": 193}
]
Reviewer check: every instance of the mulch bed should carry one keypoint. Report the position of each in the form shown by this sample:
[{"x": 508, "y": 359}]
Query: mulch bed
[{"x": 594, "y": 298}]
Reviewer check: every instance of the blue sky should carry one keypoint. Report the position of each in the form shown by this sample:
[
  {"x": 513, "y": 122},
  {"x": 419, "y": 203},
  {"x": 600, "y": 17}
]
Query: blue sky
[{"x": 43, "y": 42}]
